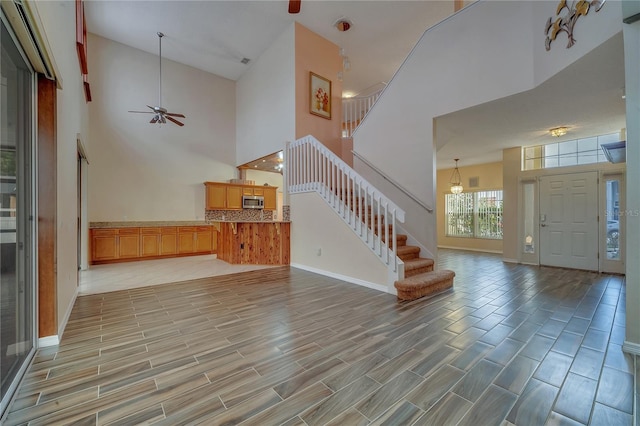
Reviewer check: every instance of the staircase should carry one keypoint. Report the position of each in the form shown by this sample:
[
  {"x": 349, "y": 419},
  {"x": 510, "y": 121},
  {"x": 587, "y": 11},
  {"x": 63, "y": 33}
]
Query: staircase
[
  {"x": 311, "y": 167},
  {"x": 420, "y": 279}
]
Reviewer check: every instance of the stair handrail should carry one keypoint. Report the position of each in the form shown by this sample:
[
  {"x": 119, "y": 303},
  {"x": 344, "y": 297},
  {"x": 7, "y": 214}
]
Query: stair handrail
[
  {"x": 312, "y": 167},
  {"x": 354, "y": 110},
  {"x": 393, "y": 182}
]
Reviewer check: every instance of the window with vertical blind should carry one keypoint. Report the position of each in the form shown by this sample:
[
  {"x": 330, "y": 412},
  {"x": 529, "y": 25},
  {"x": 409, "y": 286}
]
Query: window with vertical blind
[{"x": 474, "y": 214}]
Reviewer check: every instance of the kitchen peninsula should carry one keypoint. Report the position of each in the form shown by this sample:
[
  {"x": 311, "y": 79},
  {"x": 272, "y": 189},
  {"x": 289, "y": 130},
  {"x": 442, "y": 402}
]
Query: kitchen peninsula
[{"x": 247, "y": 235}]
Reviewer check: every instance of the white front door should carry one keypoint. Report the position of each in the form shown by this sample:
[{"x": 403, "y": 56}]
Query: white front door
[{"x": 569, "y": 220}]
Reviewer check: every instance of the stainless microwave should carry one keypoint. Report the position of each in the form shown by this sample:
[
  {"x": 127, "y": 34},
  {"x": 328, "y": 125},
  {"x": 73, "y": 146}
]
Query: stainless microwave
[{"x": 252, "y": 202}]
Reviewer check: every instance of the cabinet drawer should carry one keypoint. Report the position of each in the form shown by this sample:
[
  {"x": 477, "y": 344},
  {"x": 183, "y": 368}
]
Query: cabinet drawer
[
  {"x": 247, "y": 191},
  {"x": 169, "y": 230},
  {"x": 150, "y": 230},
  {"x": 104, "y": 232},
  {"x": 203, "y": 228},
  {"x": 258, "y": 191},
  {"x": 129, "y": 231},
  {"x": 187, "y": 228}
]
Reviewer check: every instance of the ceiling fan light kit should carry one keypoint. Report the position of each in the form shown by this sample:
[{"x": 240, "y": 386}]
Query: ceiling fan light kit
[{"x": 161, "y": 115}]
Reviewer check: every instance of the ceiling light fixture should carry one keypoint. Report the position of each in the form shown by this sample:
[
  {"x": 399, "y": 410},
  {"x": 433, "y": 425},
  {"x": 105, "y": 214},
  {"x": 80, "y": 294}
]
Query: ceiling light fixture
[
  {"x": 558, "y": 131},
  {"x": 343, "y": 25},
  {"x": 456, "y": 186}
]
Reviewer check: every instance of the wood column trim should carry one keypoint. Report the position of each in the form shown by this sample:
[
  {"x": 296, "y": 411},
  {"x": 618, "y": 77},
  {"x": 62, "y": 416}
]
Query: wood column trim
[
  {"x": 47, "y": 194},
  {"x": 457, "y": 5}
]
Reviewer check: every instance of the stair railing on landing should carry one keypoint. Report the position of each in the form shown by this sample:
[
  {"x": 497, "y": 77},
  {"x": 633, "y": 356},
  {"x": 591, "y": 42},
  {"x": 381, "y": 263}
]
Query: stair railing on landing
[
  {"x": 354, "y": 109},
  {"x": 312, "y": 167}
]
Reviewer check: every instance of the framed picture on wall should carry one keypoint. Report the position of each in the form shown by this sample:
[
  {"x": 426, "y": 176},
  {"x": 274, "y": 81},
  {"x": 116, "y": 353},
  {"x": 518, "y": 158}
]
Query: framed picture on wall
[{"x": 319, "y": 96}]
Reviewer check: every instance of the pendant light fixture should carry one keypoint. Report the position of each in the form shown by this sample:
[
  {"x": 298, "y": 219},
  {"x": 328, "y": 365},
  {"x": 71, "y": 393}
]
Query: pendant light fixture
[{"x": 456, "y": 186}]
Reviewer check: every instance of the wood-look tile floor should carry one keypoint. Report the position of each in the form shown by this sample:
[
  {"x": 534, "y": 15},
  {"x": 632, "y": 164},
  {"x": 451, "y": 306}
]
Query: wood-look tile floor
[{"x": 510, "y": 344}]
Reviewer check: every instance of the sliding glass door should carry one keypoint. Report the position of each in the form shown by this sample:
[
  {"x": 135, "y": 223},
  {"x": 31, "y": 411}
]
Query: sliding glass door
[{"x": 17, "y": 288}]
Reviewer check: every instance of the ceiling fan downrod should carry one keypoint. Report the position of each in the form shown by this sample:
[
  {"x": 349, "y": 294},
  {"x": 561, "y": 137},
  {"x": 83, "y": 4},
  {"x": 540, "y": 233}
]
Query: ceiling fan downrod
[{"x": 160, "y": 35}]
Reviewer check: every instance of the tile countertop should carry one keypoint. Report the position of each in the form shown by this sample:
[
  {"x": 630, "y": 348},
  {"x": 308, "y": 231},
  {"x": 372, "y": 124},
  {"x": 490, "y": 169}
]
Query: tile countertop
[
  {"x": 98, "y": 225},
  {"x": 142, "y": 224}
]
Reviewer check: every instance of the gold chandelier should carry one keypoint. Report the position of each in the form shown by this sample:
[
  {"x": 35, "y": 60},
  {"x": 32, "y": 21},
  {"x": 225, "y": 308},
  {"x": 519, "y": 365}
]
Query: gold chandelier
[{"x": 456, "y": 186}]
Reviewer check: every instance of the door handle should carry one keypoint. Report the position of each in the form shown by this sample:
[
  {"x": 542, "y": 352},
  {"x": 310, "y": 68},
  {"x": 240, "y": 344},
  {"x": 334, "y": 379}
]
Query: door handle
[{"x": 543, "y": 224}]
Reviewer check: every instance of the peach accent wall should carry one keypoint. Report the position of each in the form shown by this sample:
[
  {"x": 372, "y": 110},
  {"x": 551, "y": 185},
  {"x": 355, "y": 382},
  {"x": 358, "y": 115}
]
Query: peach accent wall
[
  {"x": 317, "y": 54},
  {"x": 489, "y": 178}
]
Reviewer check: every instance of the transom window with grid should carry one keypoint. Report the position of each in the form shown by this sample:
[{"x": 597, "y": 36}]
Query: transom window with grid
[{"x": 474, "y": 214}]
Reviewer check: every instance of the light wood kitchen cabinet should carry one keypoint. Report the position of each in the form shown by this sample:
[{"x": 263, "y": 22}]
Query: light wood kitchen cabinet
[
  {"x": 186, "y": 239},
  {"x": 149, "y": 242},
  {"x": 204, "y": 239},
  {"x": 169, "y": 240},
  {"x": 114, "y": 244},
  {"x": 195, "y": 239},
  {"x": 234, "y": 197},
  {"x": 109, "y": 245},
  {"x": 216, "y": 198},
  {"x": 104, "y": 244},
  {"x": 225, "y": 196},
  {"x": 270, "y": 197}
]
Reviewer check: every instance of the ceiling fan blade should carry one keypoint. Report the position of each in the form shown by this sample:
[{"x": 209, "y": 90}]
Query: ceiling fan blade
[
  {"x": 152, "y": 108},
  {"x": 142, "y": 112},
  {"x": 173, "y": 120},
  {"x": 173, "y": 114},
  {"x": 294, "y": 6},
  {"x": 154, "y": 120}
]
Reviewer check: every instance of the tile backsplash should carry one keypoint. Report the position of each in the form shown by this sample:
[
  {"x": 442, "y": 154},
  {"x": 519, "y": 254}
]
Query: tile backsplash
[{"x": 245, "y": 215}]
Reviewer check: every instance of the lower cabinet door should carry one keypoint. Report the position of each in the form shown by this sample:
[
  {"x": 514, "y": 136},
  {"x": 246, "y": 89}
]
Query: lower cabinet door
[
  {"x": 186, "y": 242},
  {"x": 168, "y": 244},
  {"x": 129, "y": 246},
  {"x": 104, "y": 247},
  {"x": 204, "y": 241},
  {"x": 149, "y": 245}
]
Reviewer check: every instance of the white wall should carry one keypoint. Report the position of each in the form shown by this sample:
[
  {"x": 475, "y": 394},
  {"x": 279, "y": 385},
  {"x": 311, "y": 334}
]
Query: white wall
[
  {"x": 265, "y": 102},
  {"x": 143, "y": 171},
  {"x": 315, "y": 226},
  {"x": 489, "y": 50},
  {"x": 632, "y": 87},
  {"x": 59, "y": 19}
]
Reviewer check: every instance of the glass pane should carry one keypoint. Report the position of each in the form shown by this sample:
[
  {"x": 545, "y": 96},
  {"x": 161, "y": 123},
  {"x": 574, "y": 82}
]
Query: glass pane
[
  {"x": 588, "y": 150},
  {"x": 17, "y": 288},
  {"x": 613, "y": 219},
  {"x": 528, "y": 200}
]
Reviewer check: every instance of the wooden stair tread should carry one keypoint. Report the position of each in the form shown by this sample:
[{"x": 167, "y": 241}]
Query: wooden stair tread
[{"x": 425, "y": 284}]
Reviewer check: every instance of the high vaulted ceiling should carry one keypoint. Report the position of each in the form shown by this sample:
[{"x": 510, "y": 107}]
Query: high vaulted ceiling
[{"x": 216, "y": 35}]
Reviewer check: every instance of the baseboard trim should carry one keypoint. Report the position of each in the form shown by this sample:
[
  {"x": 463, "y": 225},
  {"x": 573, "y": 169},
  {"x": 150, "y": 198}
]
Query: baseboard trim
[
  {"x": 55, "y": 340},
  {"x": 351, "y": 280},
  {"x": 471, "y": 249},
  {"x": 631, "y": 348},
  {"x": 43, "y": 342},
  {"x": 509, "y": 260},
  {"x": 67, "y": 315}
]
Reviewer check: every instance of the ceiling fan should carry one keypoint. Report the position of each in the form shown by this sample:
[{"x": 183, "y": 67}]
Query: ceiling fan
[
  {"x": 294, "y": 6},
  {"x": 161, "y": 115}
]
